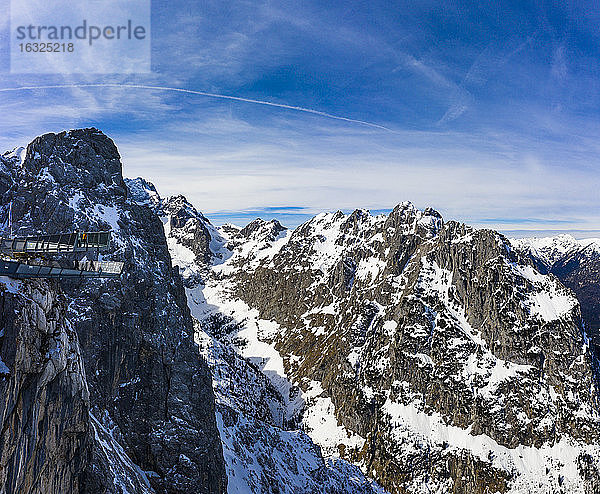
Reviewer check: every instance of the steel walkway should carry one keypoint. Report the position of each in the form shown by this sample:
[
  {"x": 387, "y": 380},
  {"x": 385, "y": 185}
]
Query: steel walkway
[
  {"x": 87, "y": 269},
  {"x": 28, "y": 256},
  {"x": 55, "y": 244}
]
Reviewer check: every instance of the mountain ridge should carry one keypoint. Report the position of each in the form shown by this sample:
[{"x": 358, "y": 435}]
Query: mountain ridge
[
  {"x": 577, "y": 264},
  {"x": 150, "y": 390},
  {"x": 263, "y": 260}
]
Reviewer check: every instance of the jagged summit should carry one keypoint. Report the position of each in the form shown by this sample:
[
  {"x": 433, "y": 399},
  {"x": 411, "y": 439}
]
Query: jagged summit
[
  {"x": 144, "y": 193},
  {"x": 436, "y": 353},
  {"x": 261, "y": 228},
  {"x": 550, "y": 250},
  {"x": 85, "y": 157},
  {"x": 16, "y": 155},
  {"x": 63, "y": 178},
  {"x": 181, "y": 210}
]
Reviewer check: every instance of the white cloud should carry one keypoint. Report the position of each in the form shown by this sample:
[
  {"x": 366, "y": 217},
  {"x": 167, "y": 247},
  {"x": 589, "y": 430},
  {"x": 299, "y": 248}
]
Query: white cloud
[
  {"x": 559, "y": 63},
  {"x": 345, "y": 168}
]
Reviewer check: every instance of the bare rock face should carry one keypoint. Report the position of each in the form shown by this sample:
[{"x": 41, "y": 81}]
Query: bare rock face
[
  {"x": 434, "y": 357},
  {"x": 257, "y": 411},
  {"x": 150, "y": 390},
  {"x": 83, "y": 158},
  {"x": 190, "y": 225},
  {"x": 45, "y": 441}
]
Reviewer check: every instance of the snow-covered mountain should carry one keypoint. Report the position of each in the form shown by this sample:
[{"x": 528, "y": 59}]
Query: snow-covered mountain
[
  {"x": 355, "y": 354},
  {"x": 577, "y": 264},
  {"x": 550, "y": 250},
  {"x": 433, "y": 356},
  {"x": 258, "y": 412}
]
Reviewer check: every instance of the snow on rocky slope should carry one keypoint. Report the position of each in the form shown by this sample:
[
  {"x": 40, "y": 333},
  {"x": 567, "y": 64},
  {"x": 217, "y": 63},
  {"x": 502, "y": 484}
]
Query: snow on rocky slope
[
  {"x": 424, "y": 354},
  {"x": 258, "y": 409},
  {"x": 434, "y": 356},
  {"x": 550, "y": 250},
  {"x": 577, "y": 264}
]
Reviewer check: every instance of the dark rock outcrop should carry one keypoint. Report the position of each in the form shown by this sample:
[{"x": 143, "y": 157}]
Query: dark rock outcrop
[
  {"x": 45, "y": 441},
  {"x": 190, "y": 227}
]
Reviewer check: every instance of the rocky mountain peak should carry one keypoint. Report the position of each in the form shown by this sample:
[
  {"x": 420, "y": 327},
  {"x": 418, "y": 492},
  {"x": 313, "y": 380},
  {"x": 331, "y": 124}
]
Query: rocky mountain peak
[
  {"x": 17, "y": 154},
  {"x": 401, "y": 325},
  {"x": 151, "y": 399},
  {"x": 407, "y": 218},
  {"x": 84, "y": 157},
  {"x": 261, "y": 228},
  {"x": 144, "y": 193},
  {"x": 548, "y": 250},
  {"x": 67, "y": 180},
  {"x": 360, "y": 218},
  {"x": 434, "y": 356},
  {"x": 181, "y": 210}
]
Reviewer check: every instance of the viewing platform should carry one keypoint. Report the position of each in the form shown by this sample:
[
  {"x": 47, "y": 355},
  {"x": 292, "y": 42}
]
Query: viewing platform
[
  {"x": 27, "y": 257},
  {"x": 55, "y": 244},
  {"x": 87, "y": 269}
]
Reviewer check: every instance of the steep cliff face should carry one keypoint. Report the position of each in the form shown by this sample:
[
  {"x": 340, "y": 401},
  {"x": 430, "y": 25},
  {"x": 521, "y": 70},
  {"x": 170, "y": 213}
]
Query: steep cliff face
[
  {"x": 422, "y": 353},
  {"x": 45, "y": 440},
  {"x": 431, "y": 354},
  {"x": 150, "y": 390}
]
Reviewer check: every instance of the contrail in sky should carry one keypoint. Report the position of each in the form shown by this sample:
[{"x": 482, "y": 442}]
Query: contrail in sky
[{"x": 199, "y": 93}]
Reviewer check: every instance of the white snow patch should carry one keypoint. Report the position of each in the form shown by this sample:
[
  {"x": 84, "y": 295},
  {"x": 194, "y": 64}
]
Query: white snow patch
[
  {"x": 12, "y": 286},
  {"x": 550, "y": 301},
  {"x": 370, "y": 268},
  {"x": 527, "y": 463},
  {"x": 551, "y": 306},
  {"x": 321, "y": 425}
]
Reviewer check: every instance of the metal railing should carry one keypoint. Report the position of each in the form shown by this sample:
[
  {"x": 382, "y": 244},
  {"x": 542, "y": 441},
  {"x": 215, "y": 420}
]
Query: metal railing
[
  {"x": 54, "y": 244},
  {"x": 86, "y": 269},
  {"x": 29, "y": 256}
]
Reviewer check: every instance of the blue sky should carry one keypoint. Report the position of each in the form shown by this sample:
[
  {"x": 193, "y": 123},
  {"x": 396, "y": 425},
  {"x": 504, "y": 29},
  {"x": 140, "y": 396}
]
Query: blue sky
[{"x": 492, "y": 109}]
